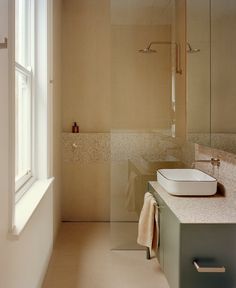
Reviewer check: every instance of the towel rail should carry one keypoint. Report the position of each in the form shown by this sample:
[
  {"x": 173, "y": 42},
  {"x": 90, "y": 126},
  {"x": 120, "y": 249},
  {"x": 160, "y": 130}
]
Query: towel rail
[
  {"x": 159, "y": 206},
  {"x": 148, "y": 253}
]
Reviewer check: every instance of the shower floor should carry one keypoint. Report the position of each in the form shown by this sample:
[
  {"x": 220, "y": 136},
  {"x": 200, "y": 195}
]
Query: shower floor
[{"x": 82, "y": 259}]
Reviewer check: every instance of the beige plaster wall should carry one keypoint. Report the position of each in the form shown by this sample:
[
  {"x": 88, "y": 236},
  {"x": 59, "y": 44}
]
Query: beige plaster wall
[
  {"x": 223, "y": 66},
  {"x": 96, "y": 50},
  {"x": 86, "y": 191},
  {"x": 107, "y": 84},
  {"x": 86, "y": 64},
  {"x": 86, "y": 99},
  {"x": 141, "y": 83}
]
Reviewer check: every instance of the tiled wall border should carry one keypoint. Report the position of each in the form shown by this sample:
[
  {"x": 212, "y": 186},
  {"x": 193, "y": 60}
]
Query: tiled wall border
[
  {"x": 103, "y": 147},
  {"x": 86, "y": 147}
]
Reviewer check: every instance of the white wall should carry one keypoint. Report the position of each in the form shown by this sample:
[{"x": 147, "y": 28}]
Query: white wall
[
  {"x": 23, "y": 261},
  {"x": 57, "y": 111}
]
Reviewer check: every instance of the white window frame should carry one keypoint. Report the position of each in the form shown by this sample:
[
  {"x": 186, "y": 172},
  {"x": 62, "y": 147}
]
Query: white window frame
[
  {"x": 26, "y": 181},
  {"x": 28, "y": 178},
  {"x": 22, "y": 209}
]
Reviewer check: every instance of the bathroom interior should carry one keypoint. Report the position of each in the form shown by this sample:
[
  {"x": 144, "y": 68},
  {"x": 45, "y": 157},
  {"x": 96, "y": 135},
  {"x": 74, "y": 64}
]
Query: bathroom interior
[{"x": 150, "y": 84}]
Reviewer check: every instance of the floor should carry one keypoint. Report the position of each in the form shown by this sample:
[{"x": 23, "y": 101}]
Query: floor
[{"x": 82, "y": 258}]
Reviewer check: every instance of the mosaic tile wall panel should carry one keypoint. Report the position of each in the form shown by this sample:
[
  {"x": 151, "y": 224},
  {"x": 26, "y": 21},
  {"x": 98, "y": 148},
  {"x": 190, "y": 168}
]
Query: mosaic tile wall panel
[
  {"x": 86, "y": 147},
  {"x": 100, "y": 147}
]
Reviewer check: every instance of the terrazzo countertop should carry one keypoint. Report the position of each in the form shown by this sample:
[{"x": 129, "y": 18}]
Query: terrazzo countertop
[{"x": 216, "y": 209}]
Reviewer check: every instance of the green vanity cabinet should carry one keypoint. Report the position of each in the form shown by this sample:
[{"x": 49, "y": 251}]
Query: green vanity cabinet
[
  {"x": 169, "y": 242},
  {"x": 211, "y": 245}
]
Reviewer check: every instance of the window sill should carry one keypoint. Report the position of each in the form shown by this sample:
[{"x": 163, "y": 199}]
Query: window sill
[{"x": 26, "y": 206}]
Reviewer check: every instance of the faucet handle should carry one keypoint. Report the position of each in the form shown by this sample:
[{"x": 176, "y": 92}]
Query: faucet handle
[{"x": 215, "y": 162}]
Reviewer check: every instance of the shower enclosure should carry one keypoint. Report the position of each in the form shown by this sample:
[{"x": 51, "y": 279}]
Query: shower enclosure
[{"x": 142, "y": 107}]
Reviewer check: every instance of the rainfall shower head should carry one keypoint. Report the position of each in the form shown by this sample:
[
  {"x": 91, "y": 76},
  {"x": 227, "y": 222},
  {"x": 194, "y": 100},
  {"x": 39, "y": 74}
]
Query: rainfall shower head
[
  {"x": 191, "y": 49},
  {"x": 147, "y": 50}
]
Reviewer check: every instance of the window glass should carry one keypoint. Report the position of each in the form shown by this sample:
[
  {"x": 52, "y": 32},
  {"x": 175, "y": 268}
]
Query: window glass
[
  {"x": 23, "y": 35},
  {"x": 23, "y": 117},
  {"x": 23, "y": 93}
]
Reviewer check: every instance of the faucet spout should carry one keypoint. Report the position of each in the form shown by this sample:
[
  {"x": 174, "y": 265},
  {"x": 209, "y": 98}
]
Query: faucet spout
[{"x": 213, "y": 161}]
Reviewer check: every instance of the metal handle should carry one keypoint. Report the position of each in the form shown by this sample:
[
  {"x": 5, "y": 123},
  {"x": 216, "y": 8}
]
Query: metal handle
[
  {"x": 208, "y": 269},
  {"x": 3, "y": 45},
  {"x": 74, "y": 146},
  {"x": 178, "y": 68}
]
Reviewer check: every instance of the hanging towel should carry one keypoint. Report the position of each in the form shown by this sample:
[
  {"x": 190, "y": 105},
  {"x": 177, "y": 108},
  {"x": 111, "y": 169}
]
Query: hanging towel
[
  {"x": 130, "y": 192},
  {"x": 148, "y": 230}
]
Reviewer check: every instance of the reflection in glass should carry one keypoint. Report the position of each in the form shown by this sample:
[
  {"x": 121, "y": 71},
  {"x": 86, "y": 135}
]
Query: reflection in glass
[
  {"x": 198, "y": 71},
  {"x": 223, "y": 71},
  {"x": 141, "y": 93},
  {"x": 211, "y": 88}
]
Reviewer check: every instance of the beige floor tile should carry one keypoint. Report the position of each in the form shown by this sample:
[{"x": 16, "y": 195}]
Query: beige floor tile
[
  {"x": 124, "y": 236},
  {"x": 82, "y": 259}
]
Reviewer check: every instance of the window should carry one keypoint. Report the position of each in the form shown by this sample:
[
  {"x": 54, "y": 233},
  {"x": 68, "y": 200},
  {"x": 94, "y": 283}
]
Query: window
[
  {"x": 31, "y": 108},
  {"x": 24, "y": 94}
]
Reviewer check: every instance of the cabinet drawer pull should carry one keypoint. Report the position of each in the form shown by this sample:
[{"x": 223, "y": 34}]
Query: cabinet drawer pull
[{"x": 208, "y": 269}]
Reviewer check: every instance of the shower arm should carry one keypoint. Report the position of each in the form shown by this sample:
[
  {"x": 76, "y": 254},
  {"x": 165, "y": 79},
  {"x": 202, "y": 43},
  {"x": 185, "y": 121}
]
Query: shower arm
[
  {"x": 178, "y": 68},
  {"x": 190, "y": 49}
]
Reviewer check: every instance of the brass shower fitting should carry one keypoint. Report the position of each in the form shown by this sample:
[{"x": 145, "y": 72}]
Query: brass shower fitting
[
  {"x": 148, "y": 49},
  {"x": 192, "y": 50}
]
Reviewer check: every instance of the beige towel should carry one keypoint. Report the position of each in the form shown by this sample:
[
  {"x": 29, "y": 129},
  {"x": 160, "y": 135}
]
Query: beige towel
[
  {"x": 130, "y": 192},
  {"x": 148, "y": 230}
]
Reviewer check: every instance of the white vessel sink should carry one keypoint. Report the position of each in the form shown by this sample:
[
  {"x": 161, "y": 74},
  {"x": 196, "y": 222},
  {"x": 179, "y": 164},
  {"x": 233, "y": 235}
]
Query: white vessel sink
[{"x": 187, "y": 182}]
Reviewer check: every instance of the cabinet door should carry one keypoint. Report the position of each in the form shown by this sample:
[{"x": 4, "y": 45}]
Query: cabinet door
[
  {"x": 169, "y": 242},
  {"x": 161, "y": 243},
  {"x": 213, "y": 244},
  {"x": 171, "y": 239}
]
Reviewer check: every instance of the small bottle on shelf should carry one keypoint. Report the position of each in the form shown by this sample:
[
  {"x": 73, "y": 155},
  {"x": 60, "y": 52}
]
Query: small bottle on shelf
[{"x": 75, "y": 128}]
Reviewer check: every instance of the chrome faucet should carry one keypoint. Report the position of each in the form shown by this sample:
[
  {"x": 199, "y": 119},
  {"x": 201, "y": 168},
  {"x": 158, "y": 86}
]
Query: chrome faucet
[{"x": 214, "y": 162}]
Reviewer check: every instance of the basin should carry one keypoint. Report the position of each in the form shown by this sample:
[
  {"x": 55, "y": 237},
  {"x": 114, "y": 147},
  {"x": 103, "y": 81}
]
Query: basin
[{"x": 187, "y": 182}]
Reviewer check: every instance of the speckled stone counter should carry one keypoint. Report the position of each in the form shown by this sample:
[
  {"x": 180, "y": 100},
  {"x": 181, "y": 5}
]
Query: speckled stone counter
[{"x": 216, "y": 209}]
